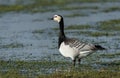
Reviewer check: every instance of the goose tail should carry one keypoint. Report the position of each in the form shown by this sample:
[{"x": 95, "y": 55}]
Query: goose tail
[{"x": 98, "y": 47}]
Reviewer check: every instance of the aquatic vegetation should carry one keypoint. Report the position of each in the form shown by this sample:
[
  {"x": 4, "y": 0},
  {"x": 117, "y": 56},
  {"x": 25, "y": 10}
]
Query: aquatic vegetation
[
  {"x": 84, "y": 74},
  {"x": 78, "y": 27},
  {"x": 12, "y": 45},
  {"x": 75, "y": 27},
  {"x": 64, "y": 2},
  {"x": 43, "y": 6},
  {"x": 75, "y": 15},
  {"x": 79, "y": 7},
  {"x": 53, "y": 69},
  {"x": 97, "y": 34},
  {"x": 111, "y": 22},
  {"x": 8, "y": 8},
  {"x": 113, "y": 65},
  {"x": 38, "y": 31},
  {"x": 113, "y": 25},
  {"x": 113, "y": 55},
  {"x": 111, "y": 9},
  {"x": 37, "y": 20},
  {"x": 36, "y": 6},
  {"x": 94, "y": 34},
  {"x": 11, "y": 74},
  {"x": 26, "y": 68}
]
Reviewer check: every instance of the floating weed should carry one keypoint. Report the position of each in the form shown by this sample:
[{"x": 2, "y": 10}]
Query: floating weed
[
  {"x": 62, "y": 2},
  {"x": 36, "y": 6},
  {"x": 97, "y": 0},
  {"x": 110, "y": 66},
  {"x": 110, "y": 28},
  {"x": 79, "y": 30},
  {"x": 75, "y": 27},
  {"x": 37, "y": 20},
  {"x": 110, "y": 25},
  {"x": 36, "y": 10},
  {"x": 78, "y": 27},
  {"x": 111, "y": 63},
  {"x": 110, "y": 55},
  {"x": 82, "y": 7},
  {"x": 55, "y": 29},
  {"x": 42, "y": 6},
  {"x": 97, "y": 34},
  {"x": 75, "y": 14},
  {"x": 8, "y": 8},
  {"x": 112, "y": 9},
  {"x": 38, "y": 31},
  {"x": 111, "y": 22},
  {"x": 12, "y": 45}
]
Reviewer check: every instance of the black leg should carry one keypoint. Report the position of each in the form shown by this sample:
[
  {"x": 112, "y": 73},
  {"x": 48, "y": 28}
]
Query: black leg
[
  {"x": 74, "y": 62},
  {"x": 79, "y": 60}
]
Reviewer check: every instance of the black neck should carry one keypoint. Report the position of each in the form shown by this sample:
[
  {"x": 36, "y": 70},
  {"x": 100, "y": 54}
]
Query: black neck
[
  {"x": 61, "y": 34},
  {"x": 61, "y": 26}
]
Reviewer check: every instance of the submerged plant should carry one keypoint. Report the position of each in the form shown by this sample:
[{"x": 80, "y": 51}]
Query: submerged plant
[
  {"x": 110, "y": 25},
  {"x": 12, "y": 45}
]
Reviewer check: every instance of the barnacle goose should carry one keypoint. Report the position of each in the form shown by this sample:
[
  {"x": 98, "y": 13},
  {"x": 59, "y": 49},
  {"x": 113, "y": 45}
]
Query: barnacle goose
[{"x": 72, "y": 47}]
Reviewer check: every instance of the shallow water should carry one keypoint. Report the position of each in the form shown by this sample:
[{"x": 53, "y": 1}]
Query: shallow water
[
  {"x": 12, "y": 2},
  {"x": 18, "y": 28}
]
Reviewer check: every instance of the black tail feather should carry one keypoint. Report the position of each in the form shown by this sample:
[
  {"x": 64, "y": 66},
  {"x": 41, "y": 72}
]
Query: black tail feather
[{"x": 99, "y": 47}]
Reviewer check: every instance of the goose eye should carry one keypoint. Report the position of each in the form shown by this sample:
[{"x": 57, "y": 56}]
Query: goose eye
[{"x": 55, "y": 16}]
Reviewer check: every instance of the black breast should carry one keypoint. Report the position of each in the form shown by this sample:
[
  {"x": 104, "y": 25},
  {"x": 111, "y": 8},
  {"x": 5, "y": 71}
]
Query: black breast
[{"x": 60, "y": 40}]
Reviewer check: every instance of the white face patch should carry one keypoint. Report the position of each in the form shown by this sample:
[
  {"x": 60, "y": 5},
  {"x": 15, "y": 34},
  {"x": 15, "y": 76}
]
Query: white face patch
[{"x": 57, "y": 18}]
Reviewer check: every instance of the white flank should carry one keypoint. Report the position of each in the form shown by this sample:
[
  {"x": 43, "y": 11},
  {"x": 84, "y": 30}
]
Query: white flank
[
  {"x": 73, "y": 52},
  {"x": 67, "y": 51}
]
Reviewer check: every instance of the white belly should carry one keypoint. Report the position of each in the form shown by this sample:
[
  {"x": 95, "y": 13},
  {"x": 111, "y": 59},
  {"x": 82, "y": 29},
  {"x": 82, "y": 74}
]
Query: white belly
[{"x": 67, "y": 51}]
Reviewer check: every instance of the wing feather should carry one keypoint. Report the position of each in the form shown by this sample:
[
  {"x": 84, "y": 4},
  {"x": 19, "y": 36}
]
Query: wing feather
[{"x": 79, "y": 45}]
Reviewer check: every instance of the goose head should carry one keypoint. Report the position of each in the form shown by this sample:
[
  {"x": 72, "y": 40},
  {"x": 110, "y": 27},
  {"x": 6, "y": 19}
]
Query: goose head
[{"x": 57, "y": 18}]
